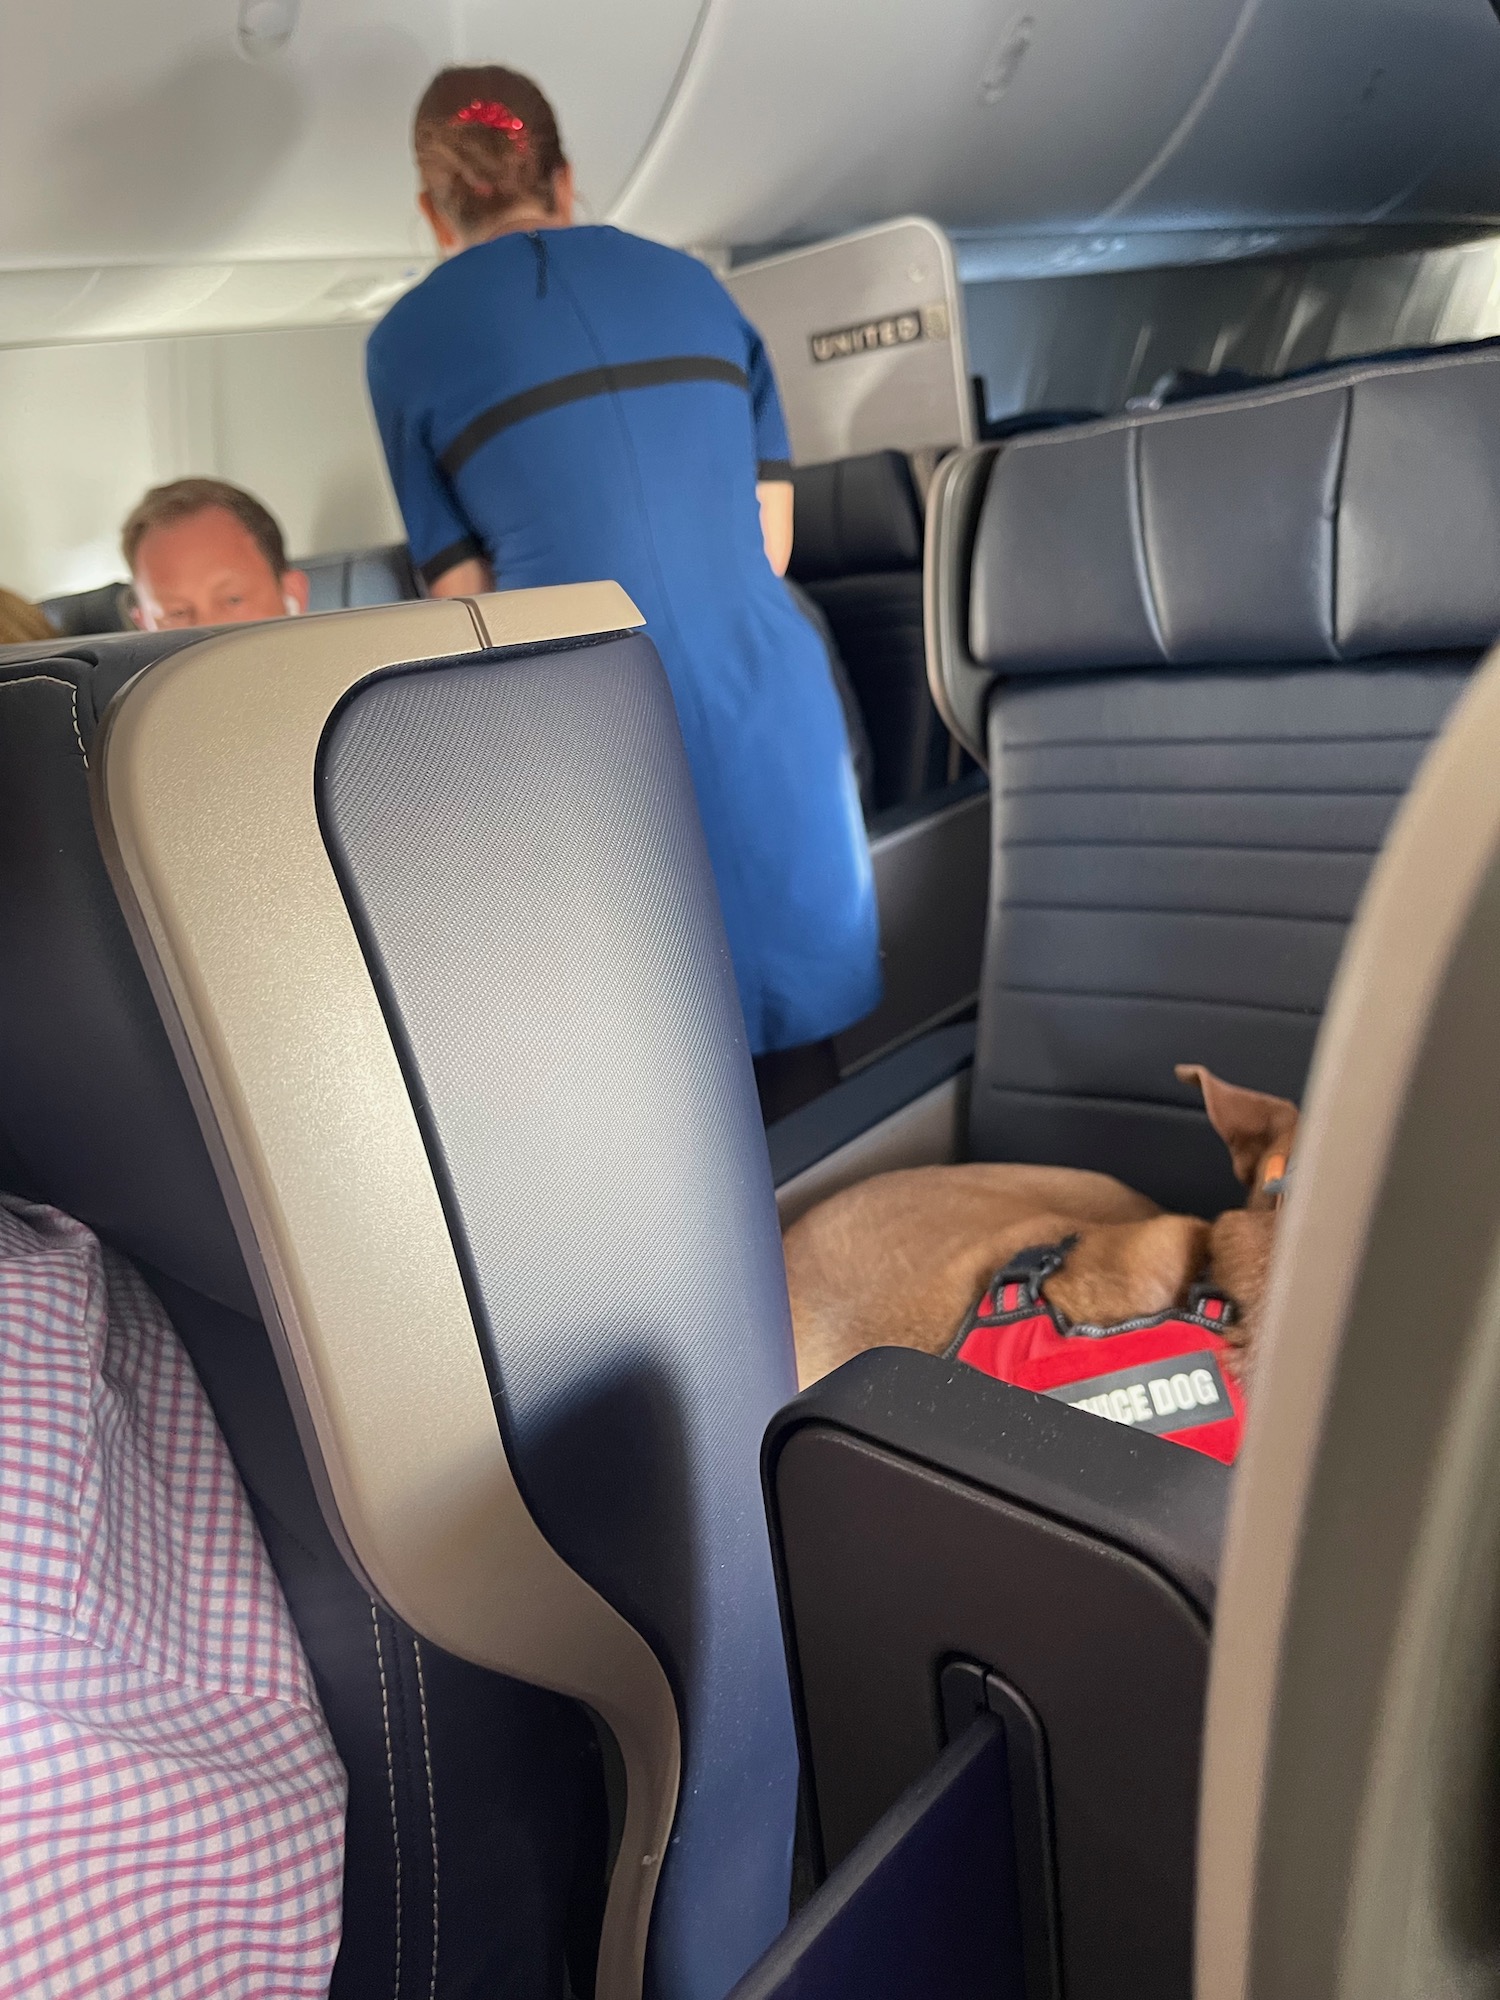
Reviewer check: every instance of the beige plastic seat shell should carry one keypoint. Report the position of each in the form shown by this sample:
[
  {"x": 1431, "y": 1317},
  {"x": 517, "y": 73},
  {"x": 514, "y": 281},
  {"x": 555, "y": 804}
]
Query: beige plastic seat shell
[
  {"x": 1347, "y": 1840},
  {"x": 204, "y": 792}
]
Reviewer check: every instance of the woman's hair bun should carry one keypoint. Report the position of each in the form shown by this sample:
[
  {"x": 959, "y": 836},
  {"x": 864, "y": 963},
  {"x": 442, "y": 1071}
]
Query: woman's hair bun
[{"x": 486, "y": 142}]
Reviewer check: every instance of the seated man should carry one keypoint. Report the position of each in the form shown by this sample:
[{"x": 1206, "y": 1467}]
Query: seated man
[
  {"x": 203, "y": 552},
  {"x": 171, "y": 1802}
]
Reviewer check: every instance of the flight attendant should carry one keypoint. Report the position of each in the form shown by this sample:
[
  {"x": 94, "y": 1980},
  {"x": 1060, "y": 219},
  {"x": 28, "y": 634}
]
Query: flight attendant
[{"x": 560, "y": 404}]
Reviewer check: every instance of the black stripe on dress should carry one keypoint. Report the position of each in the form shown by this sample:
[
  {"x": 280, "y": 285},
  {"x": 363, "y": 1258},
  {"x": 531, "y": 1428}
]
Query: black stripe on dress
[
  {"x": 771, "y": 471},
  {"x": 463, "y": 550},
  {"x": 578, "y": 388}
]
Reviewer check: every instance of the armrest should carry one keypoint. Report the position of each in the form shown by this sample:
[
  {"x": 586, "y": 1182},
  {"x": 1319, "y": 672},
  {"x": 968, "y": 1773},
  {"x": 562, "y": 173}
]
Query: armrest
[
  {"x": 922, "y": 1514},
  {"x": 1165, "y": 1505}
]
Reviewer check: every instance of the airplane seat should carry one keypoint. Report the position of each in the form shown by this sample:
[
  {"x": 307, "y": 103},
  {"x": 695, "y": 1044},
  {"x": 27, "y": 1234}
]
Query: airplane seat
[
  {"x": 86, "y": 613},
  {"x": 1176, "y": 640},
  {"x": 1204, "y": 651},
  {"x": 361, "y": 577},
  {"x": 374, "y": 1000},
  {"x": 858, "y": 553}
]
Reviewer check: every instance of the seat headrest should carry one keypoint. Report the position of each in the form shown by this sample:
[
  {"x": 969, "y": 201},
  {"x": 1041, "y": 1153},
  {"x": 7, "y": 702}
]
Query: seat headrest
[
  {"x": 1336, "y": 517},
  {"x": 86, "y": 613},
  {"x": 855, "y": 517},
  {"x": 94, "y": 1114},
  {"x": 359, "y": 577}
]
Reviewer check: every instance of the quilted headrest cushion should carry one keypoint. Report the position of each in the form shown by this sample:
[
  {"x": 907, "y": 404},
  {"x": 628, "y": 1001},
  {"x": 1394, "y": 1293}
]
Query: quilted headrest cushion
[
  {"x": 1338, "y": 517},
  {"x": 855, "y": 517}
]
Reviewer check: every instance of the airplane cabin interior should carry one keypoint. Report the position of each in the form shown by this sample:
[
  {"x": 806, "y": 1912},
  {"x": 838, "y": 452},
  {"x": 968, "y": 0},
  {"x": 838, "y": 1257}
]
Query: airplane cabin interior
[{"x": 742, "y": 1259}]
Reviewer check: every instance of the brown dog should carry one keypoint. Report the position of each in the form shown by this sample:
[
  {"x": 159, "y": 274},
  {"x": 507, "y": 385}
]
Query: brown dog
[{"x": 898, "y": 1260}]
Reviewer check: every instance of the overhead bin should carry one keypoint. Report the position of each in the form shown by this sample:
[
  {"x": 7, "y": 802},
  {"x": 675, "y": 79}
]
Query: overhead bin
[{"x": 140, "y": 139}]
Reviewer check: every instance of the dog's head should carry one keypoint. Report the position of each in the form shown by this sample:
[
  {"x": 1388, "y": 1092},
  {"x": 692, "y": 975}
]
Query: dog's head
[
  {"x": 1118, "y": 1270},
  {"x": 1258, "y": 1130}
]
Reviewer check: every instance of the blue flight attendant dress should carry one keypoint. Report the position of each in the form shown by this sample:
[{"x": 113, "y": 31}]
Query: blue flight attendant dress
[{"x": 575, "y": 404}]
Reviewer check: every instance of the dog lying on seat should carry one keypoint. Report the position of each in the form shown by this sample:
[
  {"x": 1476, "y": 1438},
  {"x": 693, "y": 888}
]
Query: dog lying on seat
[{"x": 898, "y": 1260}]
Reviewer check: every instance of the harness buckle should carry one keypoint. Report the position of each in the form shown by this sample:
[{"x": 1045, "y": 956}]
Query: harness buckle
[
  {"x": 1203, "y": 1295},
  {"x": 1031, "y": 1268}
]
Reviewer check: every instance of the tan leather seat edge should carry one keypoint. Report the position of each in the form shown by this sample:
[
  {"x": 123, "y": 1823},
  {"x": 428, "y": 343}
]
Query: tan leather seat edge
[
  {"x": 1351, "y": 1727},
  {"x": 205, "y": 802}
]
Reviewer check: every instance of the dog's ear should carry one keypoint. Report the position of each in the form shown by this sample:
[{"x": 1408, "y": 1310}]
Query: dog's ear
[{"x": 1256, "y": 1128}]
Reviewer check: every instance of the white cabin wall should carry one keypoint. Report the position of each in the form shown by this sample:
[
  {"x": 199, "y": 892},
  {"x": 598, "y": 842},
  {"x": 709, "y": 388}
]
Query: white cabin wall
[
  {"x": 292, "y": 423},
  {"x": 85, "y": 430},
  {"x": 76, "y": 445}
]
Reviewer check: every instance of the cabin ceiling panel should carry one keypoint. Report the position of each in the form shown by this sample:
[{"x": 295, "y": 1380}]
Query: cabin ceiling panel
[
  {"x": 154, "y": 179},
  {"x": 796, "y": 120},
  {"x": 1333, "y": 112},
  {"x": 132, "y": 301},
  {"x": 1465, "y": 176},
  {"x": 142, "y": 132}
]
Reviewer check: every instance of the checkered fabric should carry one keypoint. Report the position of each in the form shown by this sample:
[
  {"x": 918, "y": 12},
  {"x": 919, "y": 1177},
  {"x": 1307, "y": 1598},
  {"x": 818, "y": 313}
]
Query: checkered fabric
[{"x": 171, "y": 1805}]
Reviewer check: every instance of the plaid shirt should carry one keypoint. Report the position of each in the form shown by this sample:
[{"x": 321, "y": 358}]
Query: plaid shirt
[{"x": 171, "y": 1805}]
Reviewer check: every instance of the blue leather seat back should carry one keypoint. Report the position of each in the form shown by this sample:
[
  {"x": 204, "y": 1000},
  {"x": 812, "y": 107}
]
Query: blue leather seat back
[
  {"x": 857, "y": 552},
  {"x": 1220, "y": 638},
  {"x": 529, "y": 827},
  {"x": 553, "y": 962}
]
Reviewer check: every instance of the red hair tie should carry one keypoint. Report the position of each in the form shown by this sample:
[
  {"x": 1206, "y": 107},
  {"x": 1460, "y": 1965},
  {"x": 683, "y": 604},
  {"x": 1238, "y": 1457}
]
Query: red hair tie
[{"x": 498, "y": 117}]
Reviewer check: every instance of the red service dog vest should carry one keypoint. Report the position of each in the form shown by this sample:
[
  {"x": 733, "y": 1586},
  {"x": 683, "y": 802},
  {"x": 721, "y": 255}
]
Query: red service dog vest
[{"x": 1165, "y": 1374}]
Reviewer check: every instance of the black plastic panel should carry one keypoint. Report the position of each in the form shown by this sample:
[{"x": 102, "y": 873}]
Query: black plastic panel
[
  {"x": 967, "y": 1690},
  {"x": 923, "y": 1512},
  {"x": 924, "y": 1906}
]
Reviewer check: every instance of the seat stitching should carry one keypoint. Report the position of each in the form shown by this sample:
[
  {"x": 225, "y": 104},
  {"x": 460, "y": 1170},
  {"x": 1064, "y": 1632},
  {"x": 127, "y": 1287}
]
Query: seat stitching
[
  {"x": 53, "y": 680},
  {"x": 1041, "y": 842},
  {"x": 1093, "y": 997},
  {"x": 1055, "y": 907},
  {"x": 1336, "y": 523},
  {"x": 416, "y": 1647},
  {"x": 1135, "y": 507},
  {"x": 1139, "y": 791},
  {"x": 1113, "y": 1098},
  {"x": 390, "y": 1766},
  {"x": 1043, "y": 743}
]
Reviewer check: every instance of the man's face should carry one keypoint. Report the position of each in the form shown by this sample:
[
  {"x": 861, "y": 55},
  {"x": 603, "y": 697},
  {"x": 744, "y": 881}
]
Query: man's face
[{"x": 208, "y": 569}]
